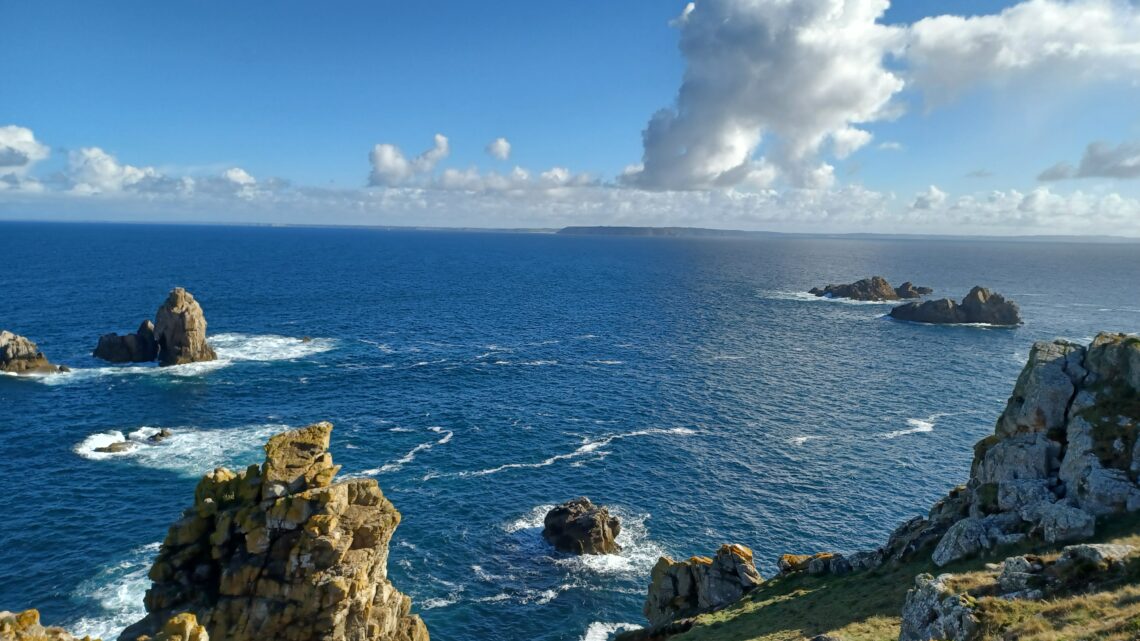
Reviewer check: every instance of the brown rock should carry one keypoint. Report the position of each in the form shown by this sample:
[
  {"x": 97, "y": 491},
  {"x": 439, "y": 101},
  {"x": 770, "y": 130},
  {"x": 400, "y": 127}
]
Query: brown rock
[
  {"x": 280, "y": 551},
  {"x": 580, "y": 527},
  {"x": 180, "y": 330},
  {"x": 25, "y": 626},
  {"x": 701, "y": 584},
  {"x": 21, "y": 356}
]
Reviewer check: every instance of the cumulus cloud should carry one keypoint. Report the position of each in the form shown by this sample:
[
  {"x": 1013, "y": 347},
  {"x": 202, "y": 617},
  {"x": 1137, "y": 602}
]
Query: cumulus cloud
[
  {"x": 806, "y": 73},
  {"x": 1067, "y": 40},
  {"x": 390, "y": 167},
  {"x": 932, "y": 198},
  {"x": 19, "y": 150},
  {"x": 891, "y": 145},
  {"x": 94, "y": 171},
  {"x": 1100, "y": 160},
  {"x": 499, "y": 148}
]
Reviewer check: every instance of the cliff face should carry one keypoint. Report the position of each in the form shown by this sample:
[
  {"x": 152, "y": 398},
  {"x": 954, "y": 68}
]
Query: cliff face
[
  {"x": 26, "y": 626},
  {"x": 280, "y": 551}
]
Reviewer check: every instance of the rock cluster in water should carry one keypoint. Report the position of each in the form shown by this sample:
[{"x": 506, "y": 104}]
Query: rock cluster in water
[
  {"x": 26, "y": 626},
  {"x": 686, "y": 588},
  {"x": 580, "y": 527},
  {"x": 18, "y": 355},
  {"x": 874, "y": 288},
  {"x": 281, "y": 551},
  {"x": 979, "y": 306},
  {"x": 176, "y": 337}
]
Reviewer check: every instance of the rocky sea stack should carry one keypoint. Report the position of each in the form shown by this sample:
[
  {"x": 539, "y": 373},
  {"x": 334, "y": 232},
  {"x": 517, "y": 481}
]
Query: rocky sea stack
[
  {"x": 280, "y": 551},
  {"x": 19, "y": 355},
  {"x": 979, "y": 306},
  {"x": 176, "y": 337},
  {"x": 140, "y": 347},
  {"x": 580, "y": 527},
  {"x": 875, "y": 288}
]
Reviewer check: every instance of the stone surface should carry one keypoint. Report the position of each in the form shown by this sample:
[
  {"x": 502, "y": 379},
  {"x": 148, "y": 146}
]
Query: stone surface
[
  {"x": 19, "y": 355},
  {"x": 1099, "y": 554},
  {"x": 934, "y": 612},
  {"x": 180, "y": 330},
  {"x": 281, "y": 551},
  {"x": 26, "y": 626},
  {"x": 973, "y": 535},
  {"x": 686, "y": 588},
  {"x": 139, "y": 347},
  {"x": 182, "y": 627},
  {"x": 580, "y": 527},
  {"x": 979, "y": 306},
  {"x": 875, "y": 288}
]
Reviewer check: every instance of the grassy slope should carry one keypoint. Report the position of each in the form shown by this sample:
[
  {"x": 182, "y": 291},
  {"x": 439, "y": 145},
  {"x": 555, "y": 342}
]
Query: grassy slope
[{"x": 866, "y": 607}]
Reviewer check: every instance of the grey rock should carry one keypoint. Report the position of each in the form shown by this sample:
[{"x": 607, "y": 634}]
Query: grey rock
[
  {"x": 1102, "y": 554},
  {"x": 686, "y": 588},
  {"x": 868, "y": 289},
  {"x": 1020, "y": 573},
  {"x": 979, "y": 306},
  {"x": 1060, "y": 522},
  {"x": 18, "y": 355},
  {"x": 1014, "y": 495},
  {"x": 180, "y": 330},
  {"x": 139, "y": 347},
  {"x": 1043, "y": 390},
  {"x": 864, "y": 561},
  {"x": 933, "y": 611},
  {"x": 973, "y": 535}
]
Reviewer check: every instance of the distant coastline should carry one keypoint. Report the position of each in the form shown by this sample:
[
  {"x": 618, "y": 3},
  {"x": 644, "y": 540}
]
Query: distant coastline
[{"x": 607, "y": 230}]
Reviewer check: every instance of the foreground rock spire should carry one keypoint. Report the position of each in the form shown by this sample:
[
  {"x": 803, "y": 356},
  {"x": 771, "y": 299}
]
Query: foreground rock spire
[
  {"x": 281, "y": 552},
  {"x": 180, "y": 330}
]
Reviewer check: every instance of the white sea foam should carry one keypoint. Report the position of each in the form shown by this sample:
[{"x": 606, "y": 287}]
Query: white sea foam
[
  {"x": 807, "y": 297},
  {"x": 800, "y": 440},
  {"x": 117, "y": 591},
  {"x": 917, "y": 426},
  {"x": 638, "y": 552},
  {"x": 411, "y": 455},
  {"x": 230, "y": 348},
  {"x": 600, "y": 631},
  {"x": 188, "y": 451},
  {"x": 587, "y": 447},
  {"x": 607, "y": 362}
]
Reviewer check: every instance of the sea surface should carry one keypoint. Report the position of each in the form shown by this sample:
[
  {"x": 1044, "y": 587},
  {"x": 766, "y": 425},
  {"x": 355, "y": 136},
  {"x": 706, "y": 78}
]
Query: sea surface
[{"x": 689, "y": 384}]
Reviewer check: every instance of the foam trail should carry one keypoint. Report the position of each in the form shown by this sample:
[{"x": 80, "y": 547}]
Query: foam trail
[
  {"x": 600, "y": 631},
  {"x": 118, "y": 591},
  {"x": 188, "y": 451},
  {"x": 917, "y": 426},
  {"x": 230, "y": 348},
  {"x": 587, "y": 447},
  {"x": 806, "y": 297},
  {"x": 411, "y": 455}
]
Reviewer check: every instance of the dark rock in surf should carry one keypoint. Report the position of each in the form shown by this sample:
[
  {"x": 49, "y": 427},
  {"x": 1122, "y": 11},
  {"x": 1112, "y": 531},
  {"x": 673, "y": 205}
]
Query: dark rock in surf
[
  {"x": 875, "y": 288},
  {"x": 580, "y": 527},
  {"x": 140, "y": 347},
  {"x": 18, "y": 355}
]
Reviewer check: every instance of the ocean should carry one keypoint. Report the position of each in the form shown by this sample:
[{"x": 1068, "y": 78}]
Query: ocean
[{"x": 689, "y": 384}]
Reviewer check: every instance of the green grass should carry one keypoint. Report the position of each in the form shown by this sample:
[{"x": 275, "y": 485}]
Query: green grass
[{"x": 867, "y": 606}]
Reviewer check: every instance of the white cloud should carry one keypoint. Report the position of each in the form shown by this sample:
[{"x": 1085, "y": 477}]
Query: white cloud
[
  {"x": 390, "y": 167},
  {"x": 499, "y": 148},
  {"x": 1068, "y": 41},
  {"x": 891, "y": 145},
  {"x": 932, "y": 198},
  {"x": 94, "y": 171},
  {"x": 238, "y": 176},
  {"x": 1100, "y": 161},
  {"x": 19, "y": 150},
  {"x": 803, "y": 72}
]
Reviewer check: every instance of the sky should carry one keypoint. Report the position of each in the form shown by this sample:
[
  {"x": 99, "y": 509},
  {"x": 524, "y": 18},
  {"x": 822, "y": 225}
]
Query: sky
[{"x": 833, "y": 116}]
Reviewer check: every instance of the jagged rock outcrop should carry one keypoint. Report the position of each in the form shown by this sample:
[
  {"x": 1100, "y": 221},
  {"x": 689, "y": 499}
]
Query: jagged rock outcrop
[
  {"x": 1064, "y": 451},
  {"x": 933, "y": 611},
  {"x": 19, "y": 355},
  {"x": 701, "y": 584},
  {"x": 139, "y": 347},
  {"x": 580, "y": 527},
  {"x": 26, "y": 626},
  {"x": 182, "y": 627},
  {"x": 280, "y": 551},
  {"x": 979, "y": 306},
  {"x": 180, "y": 330},
  {"x": 816, "y": 564},
  {"x": 872, "y": 289}
]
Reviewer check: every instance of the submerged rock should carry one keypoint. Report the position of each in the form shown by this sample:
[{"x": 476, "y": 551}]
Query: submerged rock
[
  {"x": 140, "y": 347},
  {"x": 872, "y": 289},
  {"x": 281, "y": 551},
  {"x": 980, "y": 306},
  {"x": 19, "y": 355},
  {"x": 180, "y": 330},
  {"x": 26, "y": 626},
  {"x": 580, "y": 527},
  {"x": 701, "y": 584}
]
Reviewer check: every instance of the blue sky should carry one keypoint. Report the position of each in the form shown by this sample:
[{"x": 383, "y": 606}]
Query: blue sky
[{"x": 268, "y": 112}]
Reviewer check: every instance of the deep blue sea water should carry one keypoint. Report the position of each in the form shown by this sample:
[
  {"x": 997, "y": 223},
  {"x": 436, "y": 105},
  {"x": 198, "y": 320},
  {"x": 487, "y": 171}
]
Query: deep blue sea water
[{"x": 481, "y": 377}]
